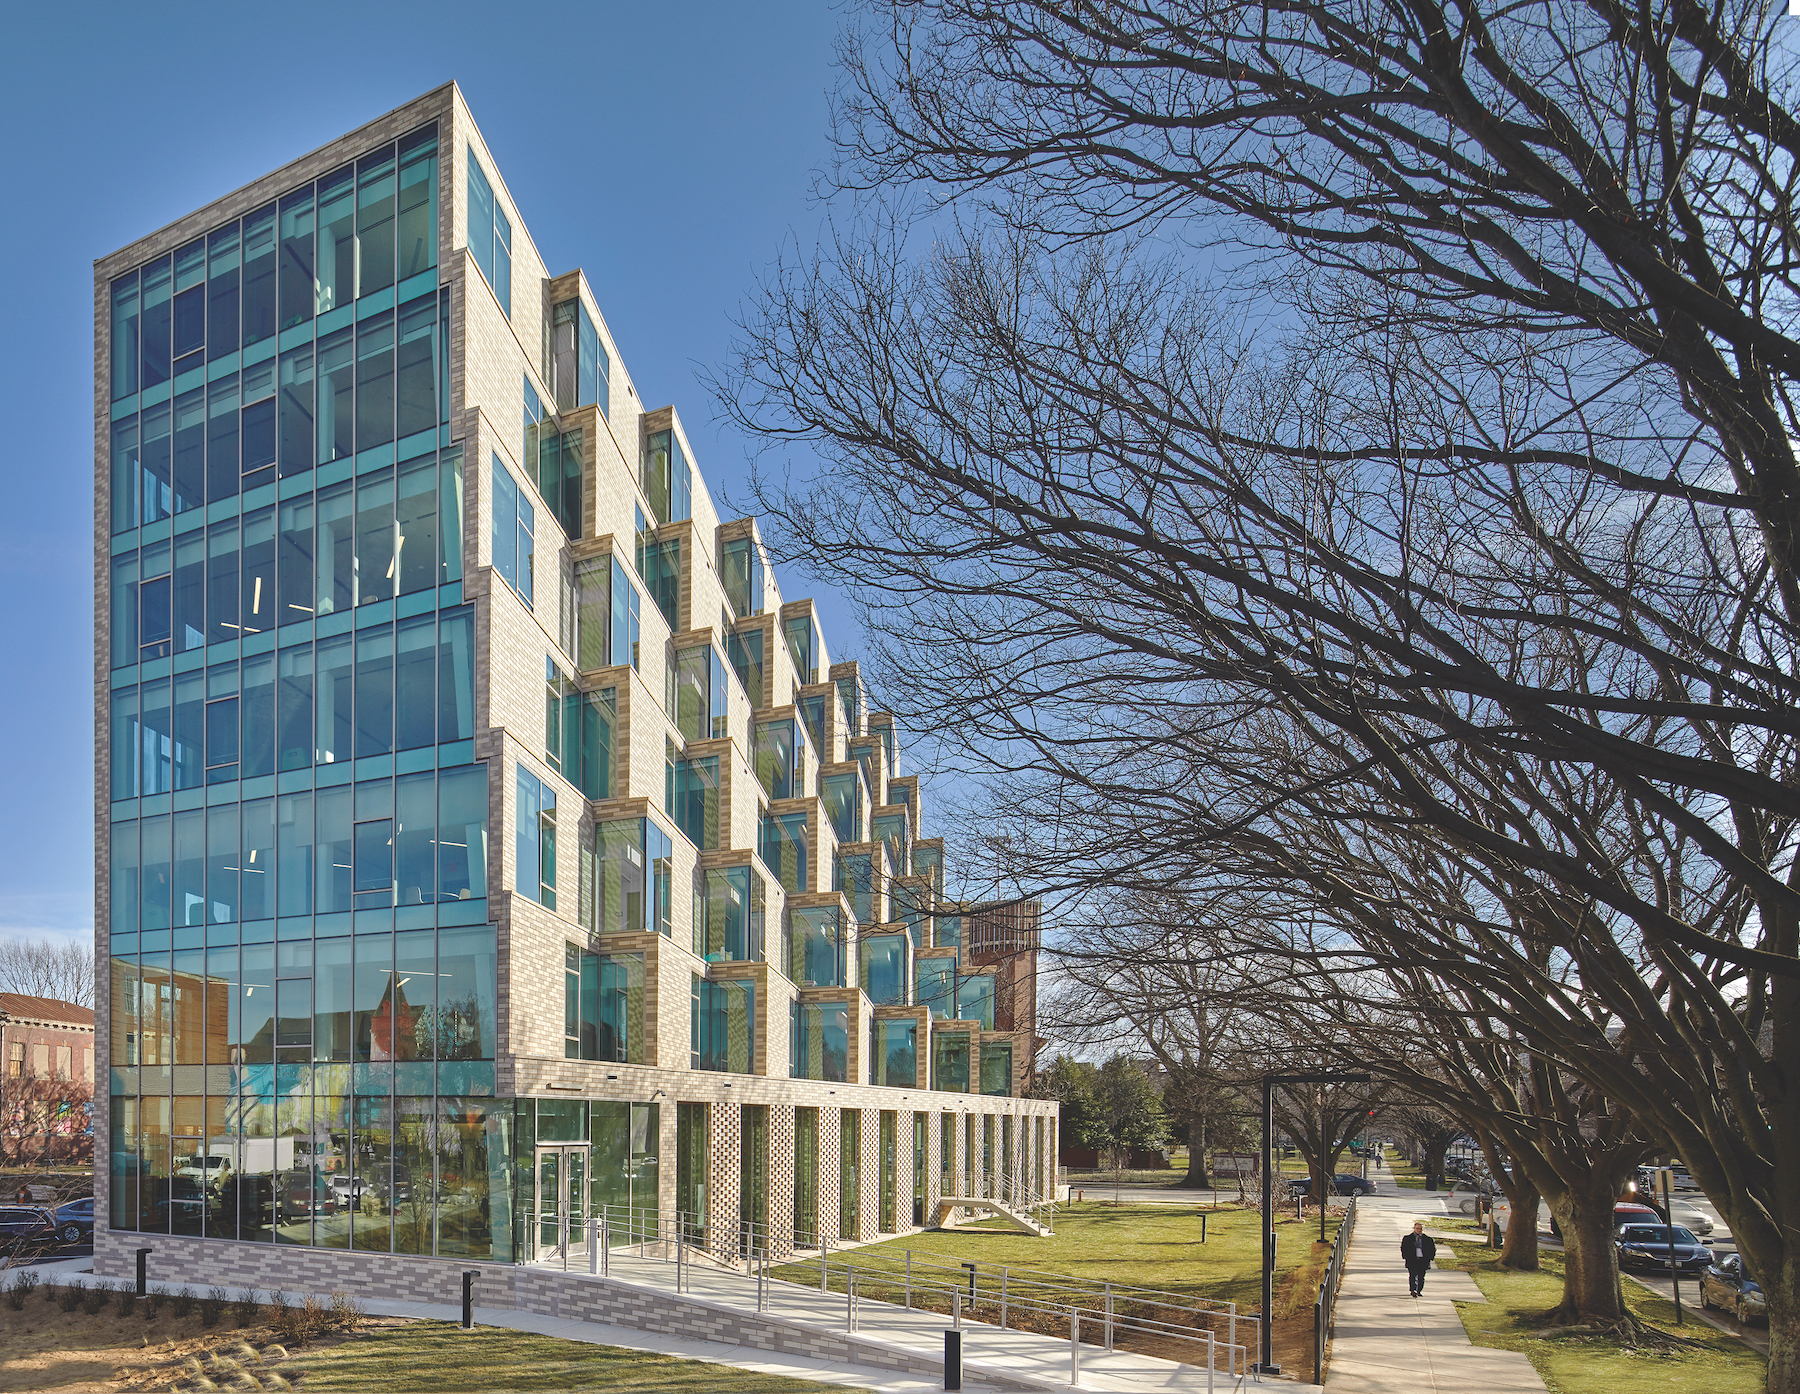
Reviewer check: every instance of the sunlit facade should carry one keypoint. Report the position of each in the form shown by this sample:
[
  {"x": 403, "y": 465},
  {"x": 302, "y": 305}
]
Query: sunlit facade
[{"x": 483, "y": 838}]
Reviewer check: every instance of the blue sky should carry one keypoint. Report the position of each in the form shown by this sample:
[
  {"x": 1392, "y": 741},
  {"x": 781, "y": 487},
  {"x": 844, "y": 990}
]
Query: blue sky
[{"x": 667, "y": 149}]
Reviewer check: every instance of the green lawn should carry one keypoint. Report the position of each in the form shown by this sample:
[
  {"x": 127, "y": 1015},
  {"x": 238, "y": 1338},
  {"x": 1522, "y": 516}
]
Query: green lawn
[
  {"x": 437, "y": 1357},
  {"x": 1406, "y": 1175},
  {"x": 1151, "y": 1246},
  {"x": 1513, "y": 1319}
]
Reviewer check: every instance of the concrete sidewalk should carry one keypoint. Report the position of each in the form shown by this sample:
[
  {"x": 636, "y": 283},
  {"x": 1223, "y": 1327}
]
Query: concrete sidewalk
[{"x": 1388, "y": 1342}]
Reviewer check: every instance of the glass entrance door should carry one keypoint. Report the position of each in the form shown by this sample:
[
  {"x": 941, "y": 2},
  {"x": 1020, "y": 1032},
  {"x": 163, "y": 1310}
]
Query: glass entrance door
[{"x": 561, "y": 1196}]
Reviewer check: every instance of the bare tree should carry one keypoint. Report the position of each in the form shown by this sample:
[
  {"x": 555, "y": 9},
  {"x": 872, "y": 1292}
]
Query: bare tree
[
  {"x": 1477, "y": 561},
  {"x": 1430, "y": 1130},
  {"x": 1136, "y": 977},
  {"x": 61, "y": 969}
]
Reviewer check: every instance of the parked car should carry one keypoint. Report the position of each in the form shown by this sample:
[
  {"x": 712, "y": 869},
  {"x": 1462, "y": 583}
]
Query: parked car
[
  {"x": 1465, "y": 1197},
  {"x": 1729, "y": 1287},
  {"x": 1688, "y": 1217},
  {"x": 75, "y": 1221},
  {"x": 1346, "y": 1185},
  {"x": 26, "y": 1229},
  {"x": 208, "y": 1168},
  {"x": 1626, "y": 1212},
  {"x": 1650, "y": 1246}
]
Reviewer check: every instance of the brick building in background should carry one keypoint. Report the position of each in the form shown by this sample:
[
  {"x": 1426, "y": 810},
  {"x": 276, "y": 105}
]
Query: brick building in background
[{"x": 46, "y": 1078}]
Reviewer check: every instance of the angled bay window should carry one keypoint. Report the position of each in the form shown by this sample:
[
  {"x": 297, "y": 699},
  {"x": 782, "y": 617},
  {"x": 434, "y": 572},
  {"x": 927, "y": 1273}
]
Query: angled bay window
[
  {"x": 634, "y": 857},
  {"x": 910, "y": 908},
  {"x": 579, "y": 366},
  {"x": 690, "y": 700},
  {"x": 578, "y": 732},
  {"x": 778, "y": 754},
  {"x": 928, "y": 861},
  {"x": 534, "y": 866},
  {"x": 894, "y": 1054},
  {"x": 747, "y": 663},
  {"x": 950, "y": 1061},
  {"x": 490, "y": 236},
  {"x": 854, "y": 875},
  {"x": 842, "y": 794},
  {"x": 782, "y": 845},
  {"x": 559, "y": 455},
  {"x": 895, "y": 832},
  {"x": 947, "y": 932},
  {"x": 667, "y": 478},
  {"x": 729, "y": 912},
  {"x": 723, "y": 1026},
  {"x": 803, "y": 646},
  {"x": 741, "y": 573},
  {"x": 996, "y": 1068},
  {"x": 813, "y": 715},
  {"x": 511, "y": 534},
  {"x": 883, "y": 968},
  {"x": 850, "y": 701},
  {"x": 975, "y": 999},
  {"x": 693, "y": 799},
  {"x": 593, "y": 612},
  {"x": 815, "y": 946},
  {"x": 819, "y": 1041},
  {"x": 659, "y": 563},
  {"x": 934, "y": 983},
  {"x": 623, "y": 636},
  {"x": 603, "y": 1006}
]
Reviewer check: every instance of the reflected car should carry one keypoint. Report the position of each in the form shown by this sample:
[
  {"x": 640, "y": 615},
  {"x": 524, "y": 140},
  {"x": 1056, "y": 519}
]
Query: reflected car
[
  {"x": 75, "y": 1221},
  {"x": 183, "y": 1209},
  {"x": 1651, "y": 1246},
  {"x": 1729, "y": 1287},
  {"x": 302, "y": 1194}
]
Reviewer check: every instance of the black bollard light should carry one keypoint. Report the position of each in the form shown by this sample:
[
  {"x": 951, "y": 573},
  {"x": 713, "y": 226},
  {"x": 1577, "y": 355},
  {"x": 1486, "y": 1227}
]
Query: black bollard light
[
  {"x": 143, "y": 1256},
  {"x": 953, "y": 1360},
  {"x": 468, "y": 1320}
]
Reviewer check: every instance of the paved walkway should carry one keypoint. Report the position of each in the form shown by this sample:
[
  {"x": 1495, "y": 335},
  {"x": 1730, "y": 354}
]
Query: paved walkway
[
  {"x": 1388, "y": 1342},
  {"x": 1022, "y": 1355}
]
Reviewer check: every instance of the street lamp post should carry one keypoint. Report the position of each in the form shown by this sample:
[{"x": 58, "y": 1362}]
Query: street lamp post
[{"x": 1267, "y": 1364}]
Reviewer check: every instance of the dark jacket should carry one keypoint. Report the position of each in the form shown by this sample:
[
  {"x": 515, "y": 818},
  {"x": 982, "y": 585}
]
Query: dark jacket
[{"x": 1418, "y": 1250}]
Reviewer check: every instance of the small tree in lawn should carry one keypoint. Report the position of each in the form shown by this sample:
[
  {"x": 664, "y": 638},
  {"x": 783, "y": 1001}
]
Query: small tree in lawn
[{"x": 1126, "y": 1115}]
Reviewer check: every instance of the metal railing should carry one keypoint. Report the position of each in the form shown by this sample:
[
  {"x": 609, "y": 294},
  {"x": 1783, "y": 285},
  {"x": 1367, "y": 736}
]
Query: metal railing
[
  {"x": 1175, "y": 1326},
  {"x": 1325, "y": 1305},
  {"x": 1100, "y": 1314}
]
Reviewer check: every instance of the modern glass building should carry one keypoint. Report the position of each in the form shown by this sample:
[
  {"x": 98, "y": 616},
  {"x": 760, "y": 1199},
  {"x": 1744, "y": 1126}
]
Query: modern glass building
[{"x": 483, "y": 839}]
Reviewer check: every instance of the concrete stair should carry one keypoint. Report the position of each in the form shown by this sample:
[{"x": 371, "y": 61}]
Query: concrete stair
[{"x": 946, "y": 1217}]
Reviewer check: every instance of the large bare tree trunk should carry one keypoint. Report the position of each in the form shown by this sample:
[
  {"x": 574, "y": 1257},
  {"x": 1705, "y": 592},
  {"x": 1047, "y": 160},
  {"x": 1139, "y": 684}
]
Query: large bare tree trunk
[
  {"x": 1521, "y": 1247},
  {"x": 1591, "y": 1285},
  {"x": 1196, "y": 1179}
]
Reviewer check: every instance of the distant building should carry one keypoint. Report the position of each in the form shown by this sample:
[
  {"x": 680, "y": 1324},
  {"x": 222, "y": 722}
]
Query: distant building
[{"x": 47, "y": 1055}]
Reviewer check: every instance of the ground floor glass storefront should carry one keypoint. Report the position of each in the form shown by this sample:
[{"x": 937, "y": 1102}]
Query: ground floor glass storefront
[{"x": 447, "y": 1175}]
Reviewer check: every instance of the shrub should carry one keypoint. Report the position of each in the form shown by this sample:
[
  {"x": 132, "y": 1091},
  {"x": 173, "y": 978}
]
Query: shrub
[
  {"x": 72, "y": 1295},
  {"x": 249, "y": 1305},
  {"x": 347, "y": 1313},
  {"x": 127, "y": 1298},
  {"x": 49, "y": 1291},
  {"x": 96, "y": 1298},
  {"x": 315, "y": 1317},
  {"x": 212, "y": 1306},
  {"x": 183, "y": 1304},
  {"x": 153, "y": 1301},
  {"x": 20, "y": 1288}
]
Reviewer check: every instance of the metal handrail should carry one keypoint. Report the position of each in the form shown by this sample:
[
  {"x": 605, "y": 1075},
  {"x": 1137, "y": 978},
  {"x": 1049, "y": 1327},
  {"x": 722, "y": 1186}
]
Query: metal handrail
[
  {"x": 1325, "y": 1305},
  {"x": 1107, "y": 1310}
]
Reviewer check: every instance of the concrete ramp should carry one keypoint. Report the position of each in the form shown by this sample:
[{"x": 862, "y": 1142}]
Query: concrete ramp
[{"x": 946, "y": 1217}]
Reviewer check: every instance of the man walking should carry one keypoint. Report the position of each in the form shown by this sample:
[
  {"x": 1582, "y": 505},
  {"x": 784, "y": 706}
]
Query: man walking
[{"x": 1417, "y": 1250}]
